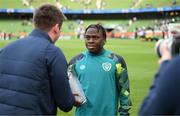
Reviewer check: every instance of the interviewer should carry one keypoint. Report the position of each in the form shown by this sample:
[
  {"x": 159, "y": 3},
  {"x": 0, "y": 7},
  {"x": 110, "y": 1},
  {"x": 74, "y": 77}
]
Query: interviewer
[{"x": 33, "y": 72}]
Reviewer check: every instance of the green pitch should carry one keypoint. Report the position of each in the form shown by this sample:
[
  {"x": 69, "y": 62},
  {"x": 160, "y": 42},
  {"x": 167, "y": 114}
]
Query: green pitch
[{"x": 140, "y": 58}]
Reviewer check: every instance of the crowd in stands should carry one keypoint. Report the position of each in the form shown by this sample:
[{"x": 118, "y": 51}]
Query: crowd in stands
[
  {"x": 100, "y": 4},
  {"x": 174, "y": 2},
  {"x": 86, "y": 3},
  {"x": 28, "y": 3},
  {"x": 154, "y": 31},
  {"x": 134, "y": 3}
]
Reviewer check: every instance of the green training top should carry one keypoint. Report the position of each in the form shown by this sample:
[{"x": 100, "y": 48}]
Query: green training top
[{"x": 104, "y": 80}]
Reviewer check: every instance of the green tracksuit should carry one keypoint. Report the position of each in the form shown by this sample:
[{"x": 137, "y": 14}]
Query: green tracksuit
[{"x": 104, "y": 80}]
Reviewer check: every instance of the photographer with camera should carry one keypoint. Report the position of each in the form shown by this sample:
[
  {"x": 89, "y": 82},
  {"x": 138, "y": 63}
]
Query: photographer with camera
[{"x": 163, "y": 97}]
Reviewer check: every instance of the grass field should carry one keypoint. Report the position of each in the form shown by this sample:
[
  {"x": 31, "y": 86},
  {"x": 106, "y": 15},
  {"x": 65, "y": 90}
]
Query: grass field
[{"x": 140, "y": 58}]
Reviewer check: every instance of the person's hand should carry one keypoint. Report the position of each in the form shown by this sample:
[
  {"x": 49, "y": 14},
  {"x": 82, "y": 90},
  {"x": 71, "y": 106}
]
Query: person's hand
[
  {"x": 165, "y": 52},
  {"x": 77, "y": 103}
]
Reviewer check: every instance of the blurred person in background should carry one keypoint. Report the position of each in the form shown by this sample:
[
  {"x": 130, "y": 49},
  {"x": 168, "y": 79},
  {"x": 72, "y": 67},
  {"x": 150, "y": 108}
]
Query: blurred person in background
[
  {"x": 99, "y": 4},
  {"x": 87, "y": 3},
  {"x": 103, "y": 76},
  {"x": 163, "y": 97},
  {"x": 33, "y": 71}
]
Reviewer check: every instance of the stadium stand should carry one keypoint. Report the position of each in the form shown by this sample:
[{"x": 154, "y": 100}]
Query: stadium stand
[
  {"x": 80, "y": 4},
  {"x": 127, "y": 19}
]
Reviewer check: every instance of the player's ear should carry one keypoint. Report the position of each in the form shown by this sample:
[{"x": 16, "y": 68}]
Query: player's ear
[{"x": 56, "y": 28}]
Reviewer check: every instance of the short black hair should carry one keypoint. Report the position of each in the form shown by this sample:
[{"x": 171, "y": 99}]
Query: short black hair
[{"x": 99, "y": 28}]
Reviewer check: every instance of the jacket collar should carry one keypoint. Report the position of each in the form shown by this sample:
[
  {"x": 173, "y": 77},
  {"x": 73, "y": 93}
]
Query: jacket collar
[{"x": 40, "y": 34}]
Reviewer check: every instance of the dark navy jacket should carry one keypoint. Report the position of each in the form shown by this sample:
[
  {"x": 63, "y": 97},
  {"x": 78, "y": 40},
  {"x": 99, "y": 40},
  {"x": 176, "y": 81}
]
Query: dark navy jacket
[
  {"x": 164, "y": 96},
  {"x": 33, "y": 77}
]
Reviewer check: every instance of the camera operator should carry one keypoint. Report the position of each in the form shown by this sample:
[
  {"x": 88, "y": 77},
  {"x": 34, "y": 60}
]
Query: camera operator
[{"x": 164, "y": 95}]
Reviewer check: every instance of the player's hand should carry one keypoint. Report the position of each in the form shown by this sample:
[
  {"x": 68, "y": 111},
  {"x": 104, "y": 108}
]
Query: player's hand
[{"x": 77, "y": 103}]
